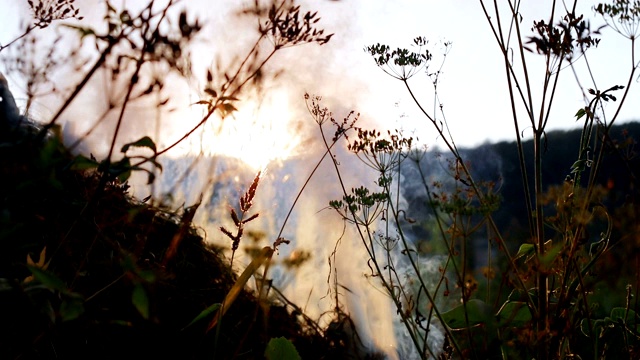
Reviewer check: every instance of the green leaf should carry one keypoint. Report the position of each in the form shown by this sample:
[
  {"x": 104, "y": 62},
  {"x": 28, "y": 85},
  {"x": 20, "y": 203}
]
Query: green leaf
[
  {"x": 204, "y": 314},
  {"x": 151, "y": 178},
  {"x": 140, "y": 300},
  {"x": 627, "y": 317},
  {"x": 48, "y": 279},
  {"x": 6, "y": 285},
  {"x": 227, "y": 108},
  {"x": 124, "y": 176},
  {"x": 476, "y": 311},
  {"x": 622, "y": 313},
  {"x": 72, "y": 307},
  {"x": 123, "y": 323},
  {"x": 128, "y": 263},
  {"x": 121, "y": 169},
  {"x": 202, "y": 102},
  {"x": 156, "y": 163},
  {"x": 281, "y": 349},
  {"x": 145, "y": 141},
  {"x": 598, "y": 325},
  {"x": 120, "y": 165},
  {"x": 84, "y": 31},
  {"x": 550, "y": 255},
  {"x": 578, "y": 166},
  {"x": 514, "y": 313},
  {"x": 520, "y": 295},
  {"x": 525, "y": 250},
  {"x": 584, "y": 327},
  {"x": 83, "y": 163},
  {"x": 211, "y": 92},
  {"x": 582, "y": 112},
  {"x": 146, "y": 275}
]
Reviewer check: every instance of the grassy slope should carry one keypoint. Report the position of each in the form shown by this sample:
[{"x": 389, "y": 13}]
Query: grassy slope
[{"x": 101, "y": 246}]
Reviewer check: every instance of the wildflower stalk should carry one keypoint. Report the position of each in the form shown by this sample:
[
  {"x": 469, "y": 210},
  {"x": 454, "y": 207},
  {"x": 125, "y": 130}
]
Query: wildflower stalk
[{"x": 369, "y": 247}]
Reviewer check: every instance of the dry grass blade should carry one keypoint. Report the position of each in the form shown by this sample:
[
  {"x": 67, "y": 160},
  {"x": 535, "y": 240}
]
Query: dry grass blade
[
  {"x": 185, "y": 225},
  {"x": 263, "y": 257}
]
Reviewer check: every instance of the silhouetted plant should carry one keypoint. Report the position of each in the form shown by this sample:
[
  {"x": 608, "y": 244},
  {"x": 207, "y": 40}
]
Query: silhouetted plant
[
  {"x": 543, "y": 305},
  {"x": 131, "y": 247}
]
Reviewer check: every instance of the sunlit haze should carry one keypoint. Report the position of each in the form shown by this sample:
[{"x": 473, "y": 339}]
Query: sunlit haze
[
  {"x": 258, "y": 133},
  {"x": 472, "y": 89}
]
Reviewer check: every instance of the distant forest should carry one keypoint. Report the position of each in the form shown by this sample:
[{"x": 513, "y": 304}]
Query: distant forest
[{"x": 498, "y": 162}]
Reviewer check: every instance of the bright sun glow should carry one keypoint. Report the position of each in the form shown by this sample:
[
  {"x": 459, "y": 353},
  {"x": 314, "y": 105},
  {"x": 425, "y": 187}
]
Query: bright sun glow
[{"x": 256, "y": 134}]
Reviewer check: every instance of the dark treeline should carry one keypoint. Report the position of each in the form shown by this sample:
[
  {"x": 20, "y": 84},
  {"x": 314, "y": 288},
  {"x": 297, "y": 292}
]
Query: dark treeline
[{"x": 498, "y": 163}]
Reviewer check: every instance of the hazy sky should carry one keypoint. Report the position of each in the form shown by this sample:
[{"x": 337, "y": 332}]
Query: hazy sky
[{"x": 472, "y": 86}]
